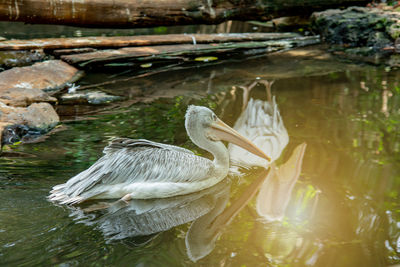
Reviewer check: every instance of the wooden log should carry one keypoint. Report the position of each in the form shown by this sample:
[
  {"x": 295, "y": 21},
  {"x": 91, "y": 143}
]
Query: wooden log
[
  {"x": 141, "y": 40},
  {"x": 147, "y": 13},
  {"x": 183, "y": 51}
]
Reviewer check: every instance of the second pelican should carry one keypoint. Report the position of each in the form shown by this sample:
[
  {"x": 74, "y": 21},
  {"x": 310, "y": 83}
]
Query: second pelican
[{"x": 142, "y": 169}]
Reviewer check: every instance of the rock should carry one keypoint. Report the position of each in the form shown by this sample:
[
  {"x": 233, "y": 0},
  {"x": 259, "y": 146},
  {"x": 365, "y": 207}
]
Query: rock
[
  {"x": 394, "y": 29},
  {"x": 10, "y": 59},
  {"x": 24, "y": 93},
  {"x": 3, "y": 126},
  {"x": 39, "y": 116},
  {"x": 17, "y": 123},
  {"x": 354, "y": 26},
  {"x": 378, "y": 40},
  {"x": 13, "y": 133},
  {"x": 22, "y": 97},
  {"x": 397, "y": 45},
  {"x": 50, "y": 76},
  {"x": 371, "y": 31},
  {"x": 91, "y": 97}
]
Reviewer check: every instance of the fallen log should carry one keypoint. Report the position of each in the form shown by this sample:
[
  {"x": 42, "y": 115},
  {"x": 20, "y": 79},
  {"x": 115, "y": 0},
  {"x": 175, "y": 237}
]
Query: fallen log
[
  {"x": 148, "y": 13},
  {"x": 183, "y": 52},
  {"x": 141, "y": 40}
]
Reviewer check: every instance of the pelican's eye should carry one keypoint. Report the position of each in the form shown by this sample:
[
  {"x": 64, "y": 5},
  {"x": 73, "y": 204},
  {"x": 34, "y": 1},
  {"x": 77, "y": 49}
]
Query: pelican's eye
[{"x": 214, "y": 117}]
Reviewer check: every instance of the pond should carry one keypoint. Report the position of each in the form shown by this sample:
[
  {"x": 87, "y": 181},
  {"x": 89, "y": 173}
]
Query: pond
[{"x": 342, "y": 158}]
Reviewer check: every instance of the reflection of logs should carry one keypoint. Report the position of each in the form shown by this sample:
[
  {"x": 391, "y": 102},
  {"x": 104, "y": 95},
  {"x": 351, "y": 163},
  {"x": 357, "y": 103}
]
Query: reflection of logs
[{"x": 145, "y": 13}]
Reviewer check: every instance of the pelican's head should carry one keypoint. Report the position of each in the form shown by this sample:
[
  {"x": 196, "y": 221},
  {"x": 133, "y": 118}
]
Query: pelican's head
[{"x": 205, "y": 128}]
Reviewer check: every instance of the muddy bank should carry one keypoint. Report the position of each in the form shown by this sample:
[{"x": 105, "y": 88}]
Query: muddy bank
[{"x": 363, "y": 33}]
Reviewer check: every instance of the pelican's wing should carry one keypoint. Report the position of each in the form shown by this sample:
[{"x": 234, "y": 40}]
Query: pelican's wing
[
  {"x": 137, "y": 161},
  {"x": 119, "y": 143}
]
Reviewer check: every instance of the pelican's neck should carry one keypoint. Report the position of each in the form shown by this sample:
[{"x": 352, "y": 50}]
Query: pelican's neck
[
  {"x": 220, "y": 153},
  {"x": 216, "y": 148},
  {"x": 221, "y": 157}
]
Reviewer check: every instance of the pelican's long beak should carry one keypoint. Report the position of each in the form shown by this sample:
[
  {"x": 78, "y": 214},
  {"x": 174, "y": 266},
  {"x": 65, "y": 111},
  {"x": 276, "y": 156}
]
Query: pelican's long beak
[{"x": 220, "y": 131}]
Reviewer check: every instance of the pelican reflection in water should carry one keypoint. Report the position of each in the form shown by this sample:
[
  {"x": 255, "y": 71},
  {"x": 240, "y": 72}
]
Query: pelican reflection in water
[
  {"x": 142, "y": 169},
  {"x": 275, "y": 192},
  {"x": 261, "y": 123},
  {"x": 143, "y": 217}
]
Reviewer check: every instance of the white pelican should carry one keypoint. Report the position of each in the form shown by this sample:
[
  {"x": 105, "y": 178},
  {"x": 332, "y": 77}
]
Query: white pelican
[{"x": 142, "y": 169}]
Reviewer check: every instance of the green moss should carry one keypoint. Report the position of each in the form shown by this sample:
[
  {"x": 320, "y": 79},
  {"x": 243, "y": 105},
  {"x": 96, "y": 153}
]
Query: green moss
[
  {"x": 393, "y": 30},
  {"x": 160, "y": 30}
]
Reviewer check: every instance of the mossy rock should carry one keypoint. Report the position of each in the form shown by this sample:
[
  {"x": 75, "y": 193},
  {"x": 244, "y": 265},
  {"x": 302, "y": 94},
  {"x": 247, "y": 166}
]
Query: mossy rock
[{"x": 358, "y": 27}]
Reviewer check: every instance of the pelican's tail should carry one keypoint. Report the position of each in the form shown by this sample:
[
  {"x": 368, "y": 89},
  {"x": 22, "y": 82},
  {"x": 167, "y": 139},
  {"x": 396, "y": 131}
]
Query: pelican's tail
[
  {"x": 75, "y": 190},
  {"x": 58, "y": 195}
]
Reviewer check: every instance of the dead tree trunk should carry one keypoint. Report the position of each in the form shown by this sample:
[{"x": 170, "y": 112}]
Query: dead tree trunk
[{"x": 148, "y": 13}]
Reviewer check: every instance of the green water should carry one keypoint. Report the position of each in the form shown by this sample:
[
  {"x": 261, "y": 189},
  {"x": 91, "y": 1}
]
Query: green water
[{"x": 344, "y": 209}]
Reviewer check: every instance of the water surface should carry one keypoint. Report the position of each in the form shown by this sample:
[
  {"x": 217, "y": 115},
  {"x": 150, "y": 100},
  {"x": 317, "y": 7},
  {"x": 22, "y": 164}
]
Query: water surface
[{"x": 343, "y": 210}]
